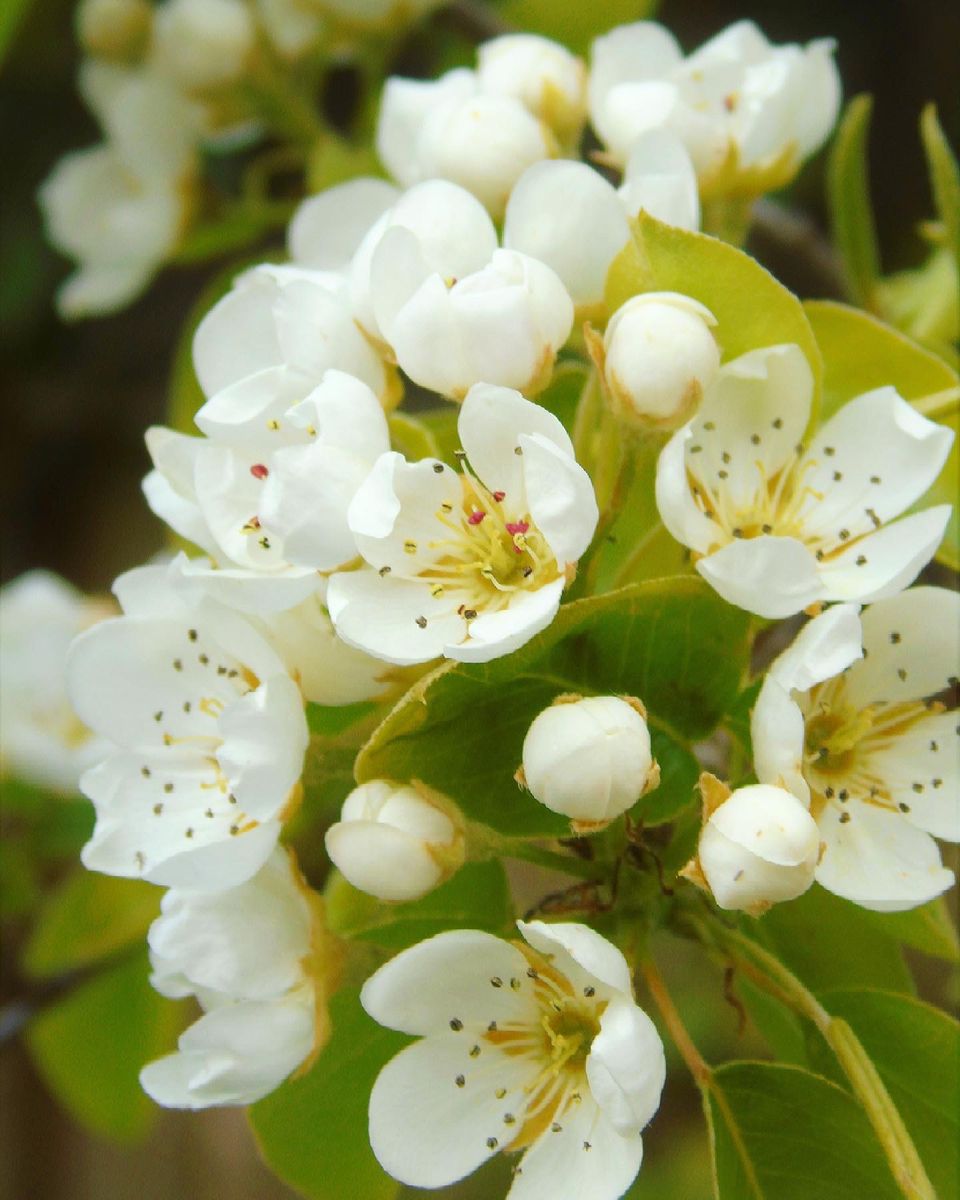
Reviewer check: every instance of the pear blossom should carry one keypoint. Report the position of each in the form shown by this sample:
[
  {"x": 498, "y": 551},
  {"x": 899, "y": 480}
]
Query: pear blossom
[
  {"x": 849, "y": 721},
  {"x": 776, "y": 525},
  {"x": 469, "y": 565},
  {"x": 204, "y": 44},
  {"x": 266, "y": 492},
  {"x": 449, "y": 128},
  {"x": 207, "y": 735},
  {"x": 395, "y": 841},
  {"x": 758, "y": 846},
  {"x": 500, "y": 325},
  {"x": 260, "y": 962},
  {"x": 749, "y": 112},
  {"x": 589, "y": 758},
  {"x": 544, "y": 76},
  {"x": 565, "y": 213},
  {"x": 659, "y": 356},
  {"x": 42, "y": 741},
  {"x": 535, "y": 1047}
]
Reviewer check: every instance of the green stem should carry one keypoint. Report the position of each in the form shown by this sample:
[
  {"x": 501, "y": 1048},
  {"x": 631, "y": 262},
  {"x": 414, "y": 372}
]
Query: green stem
[
  {"x": 284, "y": 107},
  {"x": 484, "y": 842},
  {"x": 728, "y": 217},
  {"x": 627, "y": 569},
  {"x": 768, "y": 972}
]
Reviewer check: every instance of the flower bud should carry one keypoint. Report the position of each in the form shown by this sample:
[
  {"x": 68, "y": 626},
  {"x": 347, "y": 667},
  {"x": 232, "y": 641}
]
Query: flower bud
[
  {"x": 396, "y": 841},
  {"x": 589, "y": 758},
  {"x": 759, "y": 845},
  {"x": 204, "y": 43},
  {"x": 544, "y": 76},
  {"x": 659, "y": 357},
  {"x": 114, "y": 29}
]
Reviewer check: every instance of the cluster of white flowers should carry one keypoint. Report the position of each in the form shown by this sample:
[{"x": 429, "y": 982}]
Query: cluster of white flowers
[{"x": 330, "y": 561}]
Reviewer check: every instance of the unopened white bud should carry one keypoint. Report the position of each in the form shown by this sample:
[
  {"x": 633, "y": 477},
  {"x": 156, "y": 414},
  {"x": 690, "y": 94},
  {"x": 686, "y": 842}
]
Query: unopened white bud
[
  {"x": 544, "y": 76},
  {"x": 659, "y": 357},
  {"x": 204, "y": 43},
  {"x": 396, "y": 841},
  {"x": 589, "y": 758},
  {"x": 114, "y": 29},
  {"x": 759, "y": 846}
]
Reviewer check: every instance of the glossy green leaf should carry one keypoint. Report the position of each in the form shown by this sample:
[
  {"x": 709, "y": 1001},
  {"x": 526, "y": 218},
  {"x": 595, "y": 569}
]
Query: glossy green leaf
[
  {"x": 89, "y": 1047},
  {"x": 86, "y": 918},
  {"x": 575, "y": 25},
  {"x": 783, "y": 1133},
  {"x": 851, "y": 211},
  {"x": 751, "y": 307},
  {"x": 916, "y": 1050},
  {"x": 312, "y": 1131},
  {"x": 477, "y": 897},
  {"x": 944, "y": 178},
  {"x": 929, "y": 928},
  {"x": 460, "y": 729},
  {"x": 829, "y": 942}
]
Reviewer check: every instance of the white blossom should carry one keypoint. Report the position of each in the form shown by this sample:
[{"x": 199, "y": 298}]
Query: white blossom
[
  {"x": 589, "y": 758},
  {"x": 777, "y": 526},
  {"x": 207, "y": 736},
  {"x": 859, "y": 736},
  {"x": 659, "y": 358},
  {"x": 42, "y": 741},
  {"x": 536, "y": 1047},
  {"x": 744, "y": 108},
  {"x": 257, "y": 958},
  {"x": 396, "y": 842},
  {"x": 293, "y": 27},
  {"x": 566, "y": 214},
  {"x": 469, "y": 565},
  {"x": 449, "y": 129},
  {"x": 501, "y": 325},
  {"x": 204, "y": 44},
  {"x": 266, "y": 492},
  {"x": 758, "y": 846},
  {"x": 544, "y": 76}
]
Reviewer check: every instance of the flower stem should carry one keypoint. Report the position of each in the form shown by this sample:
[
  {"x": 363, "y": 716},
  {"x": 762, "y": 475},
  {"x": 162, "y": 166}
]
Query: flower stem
[
  {"x": 529, "y": 852},
  {"x": 696, "y": 1063},
  {"x": 765, "y": 970}
]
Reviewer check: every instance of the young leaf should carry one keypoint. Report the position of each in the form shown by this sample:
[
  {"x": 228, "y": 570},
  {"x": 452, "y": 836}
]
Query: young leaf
[
  {"x": 929, "y": 928},
  {"x": 90, "y": 1046},
  {"x": 312, "y": 1131},
  {"x": 782, "y": 1133},
  {"x": 851, "y": 212},
  {"x": 944, "y": 178},
  {"x": 477, "y": 897},
  {"x": 751, "y": 307},
  {"x": 460, "y": 729},
  {"x": 574, "y": 25},
  {"x": 86, "y": 918},
  {"x": 916, "y": 1050}
]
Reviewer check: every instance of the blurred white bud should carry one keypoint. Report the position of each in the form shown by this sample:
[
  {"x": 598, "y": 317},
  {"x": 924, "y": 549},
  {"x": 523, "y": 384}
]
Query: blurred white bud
[
  {"x": 589, "y": 758},
  {"x": 660, "y": 356},
  {"x": 759, "y": 846},
  {"x": 544, "y": 76},
  {"x": 204, "y": 43},
  {"x": 116, "y": 29},
  {"x": 396, "y": 841}
]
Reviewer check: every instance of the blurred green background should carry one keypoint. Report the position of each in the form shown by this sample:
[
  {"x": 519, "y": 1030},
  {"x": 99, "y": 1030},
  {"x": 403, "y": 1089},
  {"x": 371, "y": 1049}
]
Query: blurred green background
[{"x": 76, "y": 400}]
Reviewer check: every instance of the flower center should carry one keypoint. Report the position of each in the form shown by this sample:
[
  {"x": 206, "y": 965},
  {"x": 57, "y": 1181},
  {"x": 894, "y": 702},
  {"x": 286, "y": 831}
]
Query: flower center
[{"x": 570, "y": 1029}]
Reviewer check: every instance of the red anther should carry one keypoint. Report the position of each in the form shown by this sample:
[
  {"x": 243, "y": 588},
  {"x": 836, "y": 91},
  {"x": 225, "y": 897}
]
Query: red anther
[
  {"x": 498, "y": 496},
  {"x": 259, "y": 471},
  {"x": 514, "y": 527},
  {"x": 476, "y": 516}
]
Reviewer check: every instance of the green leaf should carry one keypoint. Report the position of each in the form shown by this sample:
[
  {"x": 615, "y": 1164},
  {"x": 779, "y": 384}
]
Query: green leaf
[
  {"x": 829, "y": 942},
  {"x": 460, "y": 729},
  {"x": 312, "y": 1131},
  {"x": 563, "y": 393},
  {"x": 477, "y": 897},
  {"x": 860, "y": 353},
  {"x": 86, "y": 918},
  {"x": 784, "y": 1133},
  {"x": 929, "y": 928},
  {"x": 944, "y": 177},
  {"x": 412, "y": 437},
  {"x": 90, "y": 1046},
  {"x": 851, "y": 211},
  {"x": 780, "y": 1028},
  {"x": 916, "y": 1050},
  {"x": 12, "y": 13},
  {"x": 751, "y": 307},
  {"x": 574, "y": 25}
]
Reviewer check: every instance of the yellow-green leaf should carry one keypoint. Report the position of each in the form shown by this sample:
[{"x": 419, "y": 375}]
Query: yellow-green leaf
[{"x": 848, "y": 192}]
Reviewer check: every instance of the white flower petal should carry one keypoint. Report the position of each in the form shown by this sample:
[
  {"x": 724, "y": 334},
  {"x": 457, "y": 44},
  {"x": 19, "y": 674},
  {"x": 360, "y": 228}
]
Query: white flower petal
[
  {"x": 327, "y": 229},
  {"x": 560, "y": 495},
  {"x": 580, "y": 953},
  {"x": 626, "y": 1068},
  {"x": 251, "y": 591},
  {"x": 238, "y": 413},
  {"x": 404, "y": 106},
  {"x": 878, "y": 859},
  {"x": 683, "y": 518},
  {"x": 660, "y": 179},
  {"x": 497, "y": 633},
  {"x": 465, "y": 963},
  {"x": 884, "y": 563},
  {"x": 628, "y": 53},
  {"x": 916, "y": 633},
  {"x": 237, "y": 337},
  {"x": 396, "y": 620},
  {"x": 920, "y": 769},
  {"x": 827, "y": 645},
  {"x": 384, "y": 861},
  {"x": 265, "y": 737},
  {"x": 771, "y": 576}
]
